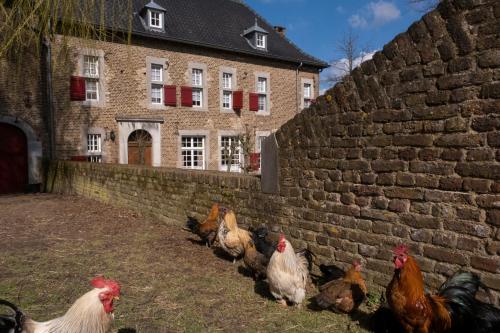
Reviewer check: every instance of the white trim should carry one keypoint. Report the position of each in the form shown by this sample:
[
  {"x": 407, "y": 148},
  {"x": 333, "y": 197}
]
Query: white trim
[
  {"x": 267, "y": 76},
  {"x": 150, "y": 61},
  {"x": 206, "y": 152},
  {"x": 125, "y": 128},
  {"x": 99, "y": 78},
  {"x": 228, "y": 133},
  {"x": 203, "y": 86},
  {"x": 303, "y": 82},
  {"x": 150, "y": 19}
]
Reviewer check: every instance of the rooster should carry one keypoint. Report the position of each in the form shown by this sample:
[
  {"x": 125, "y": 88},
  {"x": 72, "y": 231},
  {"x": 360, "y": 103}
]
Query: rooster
[
  {"x": 231, "y": 238},
  {"x": 343, "y": 295},
  {"x": 453, "y": 309},
  {"x": 287, "y": 273},
  {"x": 262, "y": 244},
  {"x": 91, "y": 313},
  {"x": 207, "y": 230},
  {"x": 331, "y": 272},
  {"x": 255, "y": 261}
]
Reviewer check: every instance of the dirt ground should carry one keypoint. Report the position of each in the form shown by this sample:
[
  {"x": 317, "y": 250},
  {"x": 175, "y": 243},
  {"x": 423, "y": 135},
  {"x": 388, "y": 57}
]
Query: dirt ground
[{"x": 51, "y": 246}]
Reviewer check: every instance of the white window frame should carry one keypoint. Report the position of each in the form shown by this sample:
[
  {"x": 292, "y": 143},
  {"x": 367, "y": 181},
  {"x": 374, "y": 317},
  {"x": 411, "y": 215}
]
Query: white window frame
[
  {"x": 262, "y": 88},
  {"x": 197, "y": 86},
  {"x": 156, "y": 84},
  {"x": 90, "y": 66},
  {"x": 160, "y": 19},
  {"x": 306, "y": 101},
  {"x": 227, "y": 92},
  {"x": 260, "y": 40},
  {"x": 91, "y": 74},
  {"x": 94, "y": 147},
  {"x": 191, "y": 150},
  {"x": 236, "y": 156}
]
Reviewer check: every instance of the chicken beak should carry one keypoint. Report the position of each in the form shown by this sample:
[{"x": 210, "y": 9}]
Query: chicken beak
[{"x": 116, "y": 298}]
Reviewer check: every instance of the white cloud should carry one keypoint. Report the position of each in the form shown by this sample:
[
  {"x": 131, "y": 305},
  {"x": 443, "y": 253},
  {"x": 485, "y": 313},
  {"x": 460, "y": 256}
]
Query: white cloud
[
  {"x": 375, "y": 14},
  {"x": 339, "y": 68},
  {"x": 357, "y": 21}
]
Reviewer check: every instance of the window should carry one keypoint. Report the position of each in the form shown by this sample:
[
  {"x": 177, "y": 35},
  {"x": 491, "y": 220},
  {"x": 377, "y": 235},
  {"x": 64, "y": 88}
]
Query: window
[
  {"x": 156, "y": 84},
  {"x": 197, "y": 83},
  {"x": 260, "y": 40},
  {"x": 155, "y": 19},
  {"x": 94, "y": 148},
  {"x": 227, "y": 94},
  {"x": 193, "y": 152},
  {"x": 262, "y": 91},
  {"x": 91, "y": 74},
  {"x": 307, "y": 95},
  {"x": 230, "y": 153}
]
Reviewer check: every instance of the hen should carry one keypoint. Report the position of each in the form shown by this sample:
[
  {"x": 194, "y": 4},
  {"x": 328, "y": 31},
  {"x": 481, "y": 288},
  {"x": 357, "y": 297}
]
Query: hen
[
  {"x": 231, "y": 238},
  {"x": 207, "y": 230},
  {"x": 91, "y": 313},
  {"x": 262, "y": 243},
  {"x": 287, "y": 273},
  {"x": 453, "y": 309},
  {"x": 343, "y": 295},
  {"x": 255, "y": 261}
]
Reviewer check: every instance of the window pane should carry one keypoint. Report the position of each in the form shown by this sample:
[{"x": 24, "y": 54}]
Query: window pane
[
  {"x": 156, "y": 94},
  {"x": 193, "y": 153},
  {"x": 197, "y": 77},
  {"x": 90, "y": 66},
  {"x": 156, "y": 73},
  {"x": 262, "y": 102},
  {"x": 230, "y": 152},
  {"x": 227, "y": 80},
  {"x": 307, "y": 90},
  {"x": 94, "y": 143},
  {"x": 155, "y": 19},
  {"x": 262, "y": 85},
  {"x": 227, "y": 99},
  {"x": 197, "y": 97},
  {"x": 91, "y": 90}
]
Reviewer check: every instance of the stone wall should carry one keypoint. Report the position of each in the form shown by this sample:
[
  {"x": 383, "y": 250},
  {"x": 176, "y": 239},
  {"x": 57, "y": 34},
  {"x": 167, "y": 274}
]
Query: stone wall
[{"x": 404, "y": 151}]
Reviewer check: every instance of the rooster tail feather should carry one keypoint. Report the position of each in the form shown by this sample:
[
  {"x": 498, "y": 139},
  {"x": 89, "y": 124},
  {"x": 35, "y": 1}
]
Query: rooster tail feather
[
  {"x": 192, "y": 224},
  {"x": 441, "y": 316},
  {"x": 331, "y": 272},
  {"x": 306, "y": 253},
  {"x": 12, "y": 322}
]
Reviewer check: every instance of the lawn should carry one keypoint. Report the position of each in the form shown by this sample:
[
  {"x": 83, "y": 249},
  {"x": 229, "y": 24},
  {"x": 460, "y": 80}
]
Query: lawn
[{"x": 52, "y": 246}]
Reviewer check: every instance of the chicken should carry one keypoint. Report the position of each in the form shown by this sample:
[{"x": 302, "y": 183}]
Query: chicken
[
  {"x": 287, "y": 274},
  {"x": 207, "y": 230},
  {"x": 255, "y": 261},
  {"x": 231, "y": 238},
  {"x": 343, "y": 295},
  {"x": 91, "y": 313},
  {"x": 453, "y": 309},
  {"x": 331, "y": 272},
  {"x": 262, "y": 243}
]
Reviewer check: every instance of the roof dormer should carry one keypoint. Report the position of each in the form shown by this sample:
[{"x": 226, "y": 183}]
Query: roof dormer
[
  {"x": 153, "y": 16},
  {"x": 256, "y": 36}
]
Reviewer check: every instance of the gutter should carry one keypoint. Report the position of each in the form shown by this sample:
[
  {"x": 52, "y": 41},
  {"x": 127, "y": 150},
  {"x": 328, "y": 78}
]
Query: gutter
[
  {"x": 50, "y": 97},
  {"x": 297, "y": 86}
]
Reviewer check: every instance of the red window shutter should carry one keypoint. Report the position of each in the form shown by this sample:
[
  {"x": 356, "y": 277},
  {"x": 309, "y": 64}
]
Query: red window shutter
[
  {"x": 170, "y": 97},
  {"x": 187, "y": 96},
  {"x": 77, "y": 88},
  {"x": 255, "y": 161},
  {"x": 254, "y": 102},
  {"x": 237, "y": 100}
]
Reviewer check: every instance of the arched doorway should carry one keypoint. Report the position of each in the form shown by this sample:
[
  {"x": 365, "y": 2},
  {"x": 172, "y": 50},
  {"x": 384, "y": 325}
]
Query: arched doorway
[
  {"x": 13, "y": 159},
  {"x": 140, "y": 145}
]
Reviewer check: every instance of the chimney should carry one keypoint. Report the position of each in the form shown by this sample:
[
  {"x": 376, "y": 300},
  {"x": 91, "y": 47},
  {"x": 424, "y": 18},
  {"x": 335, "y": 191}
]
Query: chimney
[{"x": 280, "y": 30}]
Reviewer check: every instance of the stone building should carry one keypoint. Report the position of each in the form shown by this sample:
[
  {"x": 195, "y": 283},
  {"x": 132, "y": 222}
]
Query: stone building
[{"x": 197, "y": 78}]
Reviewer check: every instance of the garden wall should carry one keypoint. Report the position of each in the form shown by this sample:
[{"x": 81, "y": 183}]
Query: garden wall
[{"x": 404, "y": 150}]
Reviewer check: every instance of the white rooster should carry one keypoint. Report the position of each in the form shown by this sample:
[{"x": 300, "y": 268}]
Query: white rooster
[
  {"x": 91, "y": 313},
  {"x": 287, "y": 273}
]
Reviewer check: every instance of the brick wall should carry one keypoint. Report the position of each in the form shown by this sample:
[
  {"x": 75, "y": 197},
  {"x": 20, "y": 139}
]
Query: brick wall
[
  {"x": 405, "y": 150},
  {"x": 125, "y": 76}
]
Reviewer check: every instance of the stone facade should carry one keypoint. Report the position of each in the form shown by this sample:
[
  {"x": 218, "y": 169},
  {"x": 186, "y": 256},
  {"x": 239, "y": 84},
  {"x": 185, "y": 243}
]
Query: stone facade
[
  {"x": 125, "y": 94},
  {"x": 404, "y": 151}
]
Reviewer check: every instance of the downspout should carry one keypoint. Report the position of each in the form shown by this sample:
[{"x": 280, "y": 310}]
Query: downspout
[
  {"x": 49, "y": 96},
  {"x": 297, "y": 86}
]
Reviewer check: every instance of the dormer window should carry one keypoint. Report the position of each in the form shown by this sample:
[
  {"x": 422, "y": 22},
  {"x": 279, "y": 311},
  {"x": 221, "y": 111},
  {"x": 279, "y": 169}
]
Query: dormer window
[
  {"x": 256, "y": 36},
  {"x": 260, "y": 40},
  {"x": 155, "y": 19}
]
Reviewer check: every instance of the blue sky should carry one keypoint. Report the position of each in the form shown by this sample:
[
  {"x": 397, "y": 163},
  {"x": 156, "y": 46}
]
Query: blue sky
[{"x": 317, "y": 25}]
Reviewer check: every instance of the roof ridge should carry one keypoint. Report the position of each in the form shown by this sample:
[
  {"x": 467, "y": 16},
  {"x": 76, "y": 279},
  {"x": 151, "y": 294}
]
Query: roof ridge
[{"x": 284, "y": 37}]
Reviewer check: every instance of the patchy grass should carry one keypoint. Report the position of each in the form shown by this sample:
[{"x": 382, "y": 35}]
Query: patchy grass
[{"x": 53, "y": 245}]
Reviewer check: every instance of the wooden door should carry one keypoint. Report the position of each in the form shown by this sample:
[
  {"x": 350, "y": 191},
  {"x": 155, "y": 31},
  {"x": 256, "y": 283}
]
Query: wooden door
[
  {"x": 140, "y": 148},
  {"x": 13, "y": 159}
]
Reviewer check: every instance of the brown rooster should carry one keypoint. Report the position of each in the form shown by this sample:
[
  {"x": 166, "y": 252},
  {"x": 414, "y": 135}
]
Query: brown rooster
[
  {"x": 231, "y": 238},
  {"x": 91, "y": 313},
  {"x": 254, "y": 260},
  {"x": 343, "y": 295},
  {"x": 207, "y": 230},
  {"x": 453, "y": 309}
]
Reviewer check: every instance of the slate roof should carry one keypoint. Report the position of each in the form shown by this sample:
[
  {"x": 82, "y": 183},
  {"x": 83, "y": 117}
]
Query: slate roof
[{"x": 215, "y": 24}]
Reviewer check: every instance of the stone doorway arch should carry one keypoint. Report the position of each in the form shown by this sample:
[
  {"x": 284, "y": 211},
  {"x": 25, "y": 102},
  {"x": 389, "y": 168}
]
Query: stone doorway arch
[{"x": 139, "y": 147}]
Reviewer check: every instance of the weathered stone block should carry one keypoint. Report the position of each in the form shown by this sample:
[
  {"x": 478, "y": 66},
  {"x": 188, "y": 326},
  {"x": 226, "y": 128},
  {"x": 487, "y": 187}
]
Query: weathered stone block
[
  {"x": 404, "y": 193},
  {"x": 489, "y": 59},
  {"x": 388, "y": 166},
  {"x": 438, "y": 168},
  {"x": 485, "y": 264},
  {"x": 420, "y": 221},
  {"x": 416, "y": 140}
]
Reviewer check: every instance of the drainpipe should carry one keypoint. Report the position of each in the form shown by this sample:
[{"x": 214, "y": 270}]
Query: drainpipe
[
  {"x": 297, "y": 86},
  {"x": 49, "y": 96}
]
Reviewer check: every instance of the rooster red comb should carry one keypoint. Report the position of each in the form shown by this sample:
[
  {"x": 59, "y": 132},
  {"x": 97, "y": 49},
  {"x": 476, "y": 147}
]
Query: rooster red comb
[
  {"x": 282, "y": 237},
  {"x": 101, "y": 282},
  {"x": 400, "y": 250},
  {"x": 356, "y": 263}
]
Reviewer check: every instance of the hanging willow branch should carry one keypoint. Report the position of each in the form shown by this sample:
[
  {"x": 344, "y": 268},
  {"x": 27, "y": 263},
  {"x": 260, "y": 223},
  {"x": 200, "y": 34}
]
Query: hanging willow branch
[{"x": 23, "y": 23}]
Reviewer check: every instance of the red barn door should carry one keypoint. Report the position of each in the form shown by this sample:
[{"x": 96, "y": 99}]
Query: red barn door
[{"x": 13, "y": 159}]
